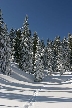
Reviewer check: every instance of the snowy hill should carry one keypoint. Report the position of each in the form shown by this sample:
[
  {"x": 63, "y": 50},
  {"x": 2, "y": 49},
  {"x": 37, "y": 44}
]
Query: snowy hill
[{"x": 19, "y": 90}]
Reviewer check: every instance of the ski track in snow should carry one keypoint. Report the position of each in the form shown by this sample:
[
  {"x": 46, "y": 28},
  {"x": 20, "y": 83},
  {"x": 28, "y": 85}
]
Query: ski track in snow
[{"x": 32, "y": 99}]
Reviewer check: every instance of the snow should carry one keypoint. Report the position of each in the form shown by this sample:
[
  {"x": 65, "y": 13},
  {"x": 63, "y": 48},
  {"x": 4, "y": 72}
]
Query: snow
[{"x": 20, "y": 91}]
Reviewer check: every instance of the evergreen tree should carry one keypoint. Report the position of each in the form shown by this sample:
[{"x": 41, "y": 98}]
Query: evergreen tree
[
  {"x": 70, "y": 46},
  {"x": 50, "y": 57},
  {"x": 12, "y": 35},
  {"x": 38, "y": 61},
  {"x": 65, "y": 53},
  {"x": 5, "y": 52},
  {"x": 26, "y": 48},
  {"x": 43, "y": 51},
  {"x": 34, "y": 41},
  {"x": 17, "y": 46},
  {"x": 60, "y": 60},
  {"x": 45, "y": 58},
  {"x": 56, "y": 45},
  {"x": 1, "y": 36}
]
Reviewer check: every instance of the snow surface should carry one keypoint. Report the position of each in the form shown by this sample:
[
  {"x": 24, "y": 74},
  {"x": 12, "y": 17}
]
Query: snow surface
[{"x": 19, "y": 90}]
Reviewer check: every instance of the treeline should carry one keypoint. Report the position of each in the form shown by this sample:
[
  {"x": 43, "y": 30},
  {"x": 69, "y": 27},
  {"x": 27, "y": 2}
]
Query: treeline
[{"x": 31, "y": 54}]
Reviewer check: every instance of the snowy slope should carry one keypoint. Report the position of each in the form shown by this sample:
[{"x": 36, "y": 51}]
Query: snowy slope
[
  {"x": 20, "y": 75},
  {"x": 19, "y": 91}
]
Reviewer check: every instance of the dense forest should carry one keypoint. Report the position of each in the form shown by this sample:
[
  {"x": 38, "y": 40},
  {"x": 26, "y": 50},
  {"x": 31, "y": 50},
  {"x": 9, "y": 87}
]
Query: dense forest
[{"x": 30, "y": 53}]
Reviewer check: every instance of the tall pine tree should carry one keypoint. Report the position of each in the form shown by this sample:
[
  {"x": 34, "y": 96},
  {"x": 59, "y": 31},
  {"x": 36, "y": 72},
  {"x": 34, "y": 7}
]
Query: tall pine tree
[
  {"x": 50, "y": 57},
  {"x": 12, "y": 35},
  {"x": 34, "y": 41},
  {"x": 38, "y": 59},
  {"x": 70, "y": 46},
  {"x": 26, "y": 48},
  {"x": 17, "y": 46},
  {"x": 5, "y": 52}
]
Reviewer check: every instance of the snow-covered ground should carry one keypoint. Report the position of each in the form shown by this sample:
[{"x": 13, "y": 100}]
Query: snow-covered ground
[{"x": 19, "y": 90}]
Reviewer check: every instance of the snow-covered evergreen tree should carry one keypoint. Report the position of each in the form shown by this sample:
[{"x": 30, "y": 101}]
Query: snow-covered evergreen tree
[
  {"x": 50, "y": 57},
  {"x": 70, "y": 46},
  {"x": 43, "y": 50},
  {"x": 45, "y": 58},
  {"x": 1, "y": 37},
  {"x": 34, "y": 42},
  {"x": 60, "y": 60},
  {"x": 26, "y": 48},
  {"x": 65, "y": 54},
  {"x": 5, "y": 52},
  {"x": 38, "y": 61},
  {"x": 12, "y": 35},
  {"x": 17, "y": 46},
  {"x": 56, "y": 45}
]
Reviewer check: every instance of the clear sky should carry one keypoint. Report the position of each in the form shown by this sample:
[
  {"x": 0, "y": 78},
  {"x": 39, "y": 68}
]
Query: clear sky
[{"x": 48, "y": 17}]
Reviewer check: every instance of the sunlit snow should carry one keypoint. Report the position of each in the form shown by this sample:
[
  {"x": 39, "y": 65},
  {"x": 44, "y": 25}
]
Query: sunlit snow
[{"x": 20, "y": 91}]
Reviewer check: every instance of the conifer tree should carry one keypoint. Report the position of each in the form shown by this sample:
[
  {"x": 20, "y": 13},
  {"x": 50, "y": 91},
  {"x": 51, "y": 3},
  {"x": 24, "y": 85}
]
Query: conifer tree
[
  {"x": 38, "y": 60},
  {"x": 66, "y": 54},
  {"x": 26, "y": 48},
  {"x": 56, "y": 45},
  {"x": 50, "y": 57},
  {"x": 43, "y": 50},
  {"x": 1, "y": 36},
  {"x": 5, "y": 52},
  {"x": 12, "y": 35},
  {"x": 45, "y": 58},
  {"x": 34, "y": 42},
  {"x": 70, "y": 46},
  {"x": 17, "y": 46},
  {"x": 60, "y": 60}
]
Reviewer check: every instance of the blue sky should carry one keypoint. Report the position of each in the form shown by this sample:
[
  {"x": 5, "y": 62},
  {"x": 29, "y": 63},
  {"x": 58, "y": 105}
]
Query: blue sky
[{"x": 48, "y": 17}]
